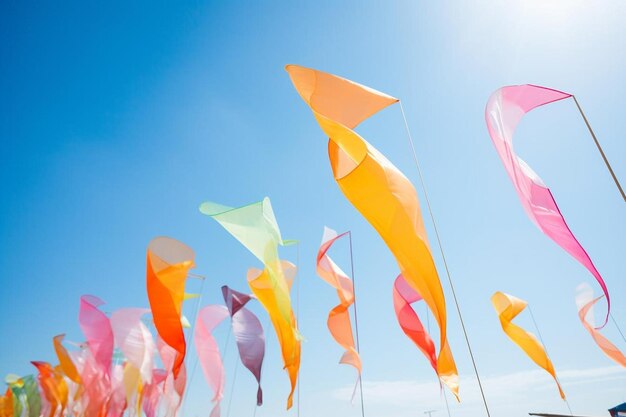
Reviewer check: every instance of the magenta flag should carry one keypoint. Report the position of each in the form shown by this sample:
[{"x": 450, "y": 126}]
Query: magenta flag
[{"x": 505, "y": 109}]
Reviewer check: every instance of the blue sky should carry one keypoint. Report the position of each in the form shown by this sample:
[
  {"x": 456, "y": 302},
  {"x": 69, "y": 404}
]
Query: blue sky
[{"x": 119, "y": 119}]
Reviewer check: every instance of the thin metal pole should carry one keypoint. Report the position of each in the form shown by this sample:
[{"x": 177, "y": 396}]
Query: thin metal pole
[
  {"x": 618, "y": 329},
  {"x": 432, "y": 217},
  {"x": 193, "y": 326},
  {"x": 606, "y": 161},
  {"x": 445, "y": 397},
  {"x": 532, "y": 316},
  {"x": 356, "y": 320},
  {"x": 232, "y": 388},
  {"x": 297, "y": 277}
]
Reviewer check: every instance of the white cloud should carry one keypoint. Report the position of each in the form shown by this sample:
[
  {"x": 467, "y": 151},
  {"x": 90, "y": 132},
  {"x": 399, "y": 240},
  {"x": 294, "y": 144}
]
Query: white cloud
[{"x": 509, "y": 391}]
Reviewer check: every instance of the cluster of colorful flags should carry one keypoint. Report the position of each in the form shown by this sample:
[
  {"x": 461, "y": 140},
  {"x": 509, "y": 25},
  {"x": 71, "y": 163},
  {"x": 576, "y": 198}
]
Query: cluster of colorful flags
[{"x": 123, "y": 368}]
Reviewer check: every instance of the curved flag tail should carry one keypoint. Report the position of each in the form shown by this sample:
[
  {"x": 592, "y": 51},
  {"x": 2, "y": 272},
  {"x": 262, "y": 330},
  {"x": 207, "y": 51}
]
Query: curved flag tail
[
  {"x": 585, "y": 302},
  {"x": 508, "y": 307},
  {"x": 339, "y": 323},
  {"x": 504, "y": 110}
]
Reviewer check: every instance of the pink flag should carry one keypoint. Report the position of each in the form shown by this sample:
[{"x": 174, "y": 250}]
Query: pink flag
[
  {"x": 208, "y": 352},
  {"x": 134, "y": 339},
  {"x": 505, "y": 109},
  {"x": 97, "y": 329}
]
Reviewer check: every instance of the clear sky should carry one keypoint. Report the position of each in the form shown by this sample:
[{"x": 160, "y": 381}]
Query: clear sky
[{"x": 119, "y": 118}]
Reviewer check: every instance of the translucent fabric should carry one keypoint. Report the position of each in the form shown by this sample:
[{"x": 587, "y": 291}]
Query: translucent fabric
[
  {"x": 585, "y": 302},
  {"x": 338, "y": 322},
  {"x": 508, "y": 307},
  {"x": 26, "y": 391},
  {"x": 65, "y": 361},
  {"x": 208, "y": 353},
  {"x": 53, "y": 387},
  {"x": 97, "y": 329},
  {"x": 260, "y": 283},
  {"x": 6, "y": 404},
  {"x": 376, "y": 188},
  {"x": 168, "y": 264},
  {"x": 504, "y": 110},
  {"x": 255, "y": 227},
  {"x": 248, "y": 333},
  {"x": 403, "y": 296},
  {"x": 134, "y": 340}
]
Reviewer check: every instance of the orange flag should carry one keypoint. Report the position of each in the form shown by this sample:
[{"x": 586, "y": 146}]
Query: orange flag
[
  {"x": 6, "y": 404},
  {"x": 377, "y": 189},
  {"x": 508, "y": 307},
  {"x": 169, "y": 262}
]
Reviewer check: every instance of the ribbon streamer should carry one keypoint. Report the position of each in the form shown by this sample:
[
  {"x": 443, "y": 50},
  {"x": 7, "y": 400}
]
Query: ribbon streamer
[
  {"x": 585, "y": 302},
  {"x": 248, "y": 333},
  {"x": 403, "y": 297},
  {"x": 508, "y": 307},
  {"x": 208, "y": 353},
  {"x": 504, "y": 110},
  {"x": 377, "y": 189},
  {"x": 168, "y": 264},
  {"x": 338, "y": 322}
]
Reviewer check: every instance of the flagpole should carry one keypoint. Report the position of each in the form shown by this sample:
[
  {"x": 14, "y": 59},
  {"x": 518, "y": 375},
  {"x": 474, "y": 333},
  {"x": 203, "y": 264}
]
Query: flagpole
[
  {"x": 532, "y": 316},
  {"x": 432, "y": 218},
  {"x": 191, "y": 332},
  {"x": 606, "y": 161},
  {"x": 356, "y": 321}
]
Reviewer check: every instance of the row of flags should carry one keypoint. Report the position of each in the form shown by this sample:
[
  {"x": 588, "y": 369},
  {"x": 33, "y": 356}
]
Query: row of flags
[{"x": 123, "y": 368}]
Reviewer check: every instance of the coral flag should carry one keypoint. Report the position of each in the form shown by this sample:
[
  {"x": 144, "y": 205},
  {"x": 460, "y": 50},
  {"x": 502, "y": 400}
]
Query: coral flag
[
  {"x": 168, "y": 264},
  {"x": 248, "y": 333},
  {"x": 208, "y": 353},
  {"x": 504, "y": 110},
  {"x": 338, "y": 322},
  {"x": 377, "y": 189},
  {"x": 585, "y": 302},
  {"x": 255, "y": 227},
  {"x": 508, "y": 307}
]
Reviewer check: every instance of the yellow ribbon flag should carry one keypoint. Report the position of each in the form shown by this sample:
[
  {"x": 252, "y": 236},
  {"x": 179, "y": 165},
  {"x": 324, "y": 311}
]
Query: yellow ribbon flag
[
  {"x": 508, "y": 307},
  {"x": 377, "y": 189},
  {"x": 256, "y": 228}
]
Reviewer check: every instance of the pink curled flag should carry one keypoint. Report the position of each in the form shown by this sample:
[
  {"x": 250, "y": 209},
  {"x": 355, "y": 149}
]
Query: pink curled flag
[
  {"x": 504, "y": 110},
  {"x": 209, "y": 354}
]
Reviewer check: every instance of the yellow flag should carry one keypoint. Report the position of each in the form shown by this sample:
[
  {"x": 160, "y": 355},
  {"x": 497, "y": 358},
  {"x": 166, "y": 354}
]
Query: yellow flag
[
  {"x": 377, "y": 189},
  {"x": 508, "y": 307}
]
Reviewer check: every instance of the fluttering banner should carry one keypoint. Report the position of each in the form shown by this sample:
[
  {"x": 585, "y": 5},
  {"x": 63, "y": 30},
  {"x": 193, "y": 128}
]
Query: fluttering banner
[
  {"x": 338, "y": 322},
  {"x": 508, "y": 307},
  {"x": 504, "y": 110},
  {"x": 377, "y": 189}
]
